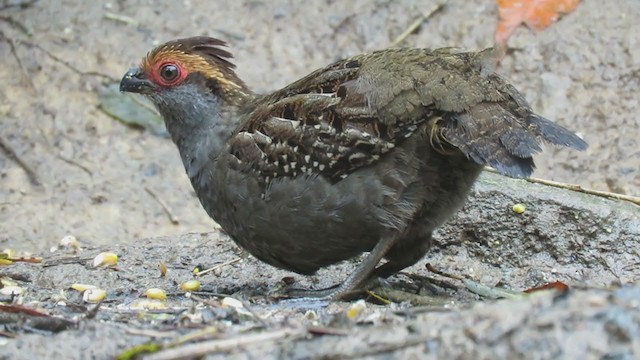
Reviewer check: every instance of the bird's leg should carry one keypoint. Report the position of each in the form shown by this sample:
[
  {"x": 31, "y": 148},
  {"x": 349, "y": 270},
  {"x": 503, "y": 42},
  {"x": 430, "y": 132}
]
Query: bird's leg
[
  {"x": 358, "y": 277},
  {"x": 406, "y": 253}
]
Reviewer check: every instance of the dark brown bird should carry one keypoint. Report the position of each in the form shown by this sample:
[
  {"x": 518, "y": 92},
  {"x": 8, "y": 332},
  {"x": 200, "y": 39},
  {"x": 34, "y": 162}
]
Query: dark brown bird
[{"x": 371, "y": 153}]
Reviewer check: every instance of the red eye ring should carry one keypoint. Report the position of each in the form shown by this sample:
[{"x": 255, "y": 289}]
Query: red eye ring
[{"x": 169, "y": 73}]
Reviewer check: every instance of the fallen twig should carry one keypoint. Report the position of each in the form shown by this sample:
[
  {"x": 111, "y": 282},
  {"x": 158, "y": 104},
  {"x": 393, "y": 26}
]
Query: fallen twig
[
  {"x": 19, "y": 309},
  {"x": 399, "y": 296},
  {"x": 632, "y": 199},
  {"x": 200, "y": 334},
  {"x": 164, "y": 206},
  {"x": 33, "y": 177},
  {"x": 415, "y": 310},
  {"x": 14, "y": 52},
  {"x": 16, "y": 24},
  {"x": 67, "y": 64},
  {"x": 414, "y": 26},
  {"x": 121, "y": 18},
  {"x": 216, "y": 267},
  {"x": 479, "y": 288},
  {"x": 190, "y": 351},
  {"x": 67, "y": 261},
  {"x": 204, "y": 301},
  {"x": 152, "y": 333},
  {"x": 322, "y": 330},
  {"x": 75, "y": 163}
]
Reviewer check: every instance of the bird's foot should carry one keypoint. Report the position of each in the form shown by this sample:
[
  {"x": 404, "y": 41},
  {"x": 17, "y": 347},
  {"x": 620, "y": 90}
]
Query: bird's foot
[{"x": 338, "y": 292}]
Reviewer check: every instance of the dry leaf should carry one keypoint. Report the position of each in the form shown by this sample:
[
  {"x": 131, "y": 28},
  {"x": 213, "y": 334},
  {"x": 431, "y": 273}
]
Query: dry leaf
[
  {"x": 556, "y": 285},
  {"x": 536, "y": 14}
]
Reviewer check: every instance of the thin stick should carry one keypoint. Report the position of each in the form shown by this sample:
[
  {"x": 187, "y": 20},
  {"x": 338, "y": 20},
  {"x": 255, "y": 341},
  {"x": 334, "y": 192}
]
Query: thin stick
[
  {"x": 216, "y": 267},
  {"x": 164, "y": 206},
  {"x": 399, "y": 296},
  {"x": 416, "y": 24},
  {"x": 121, "y": 18},
  {"x": 33, "y": 177},
  {"x": 14, "y": 52},
  {"x": 632, "y": 199},
  {"x": 196, "y": 350},
  {"x": 67, "y": 64},
  {"x": 152, "y": 333},
  {"x": 16, "y": 24},
  {"x": 321, "y": 330},
  {"x": 75, "y": 163}
]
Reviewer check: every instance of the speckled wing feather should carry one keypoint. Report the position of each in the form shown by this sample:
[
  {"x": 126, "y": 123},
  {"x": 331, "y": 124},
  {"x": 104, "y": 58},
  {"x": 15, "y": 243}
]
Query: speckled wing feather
[
  {"x": 351, "y": 113},
  {"x": 320, "y": 125}
]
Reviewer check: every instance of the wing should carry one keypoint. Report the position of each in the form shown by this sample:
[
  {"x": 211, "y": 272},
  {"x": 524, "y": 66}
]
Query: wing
[
  {"x": 321, "y": 125},
  {"x": 351, "y": 113}
]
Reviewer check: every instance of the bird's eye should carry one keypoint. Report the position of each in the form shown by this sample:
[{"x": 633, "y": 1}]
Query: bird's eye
[{"x": 169, "y": 73}]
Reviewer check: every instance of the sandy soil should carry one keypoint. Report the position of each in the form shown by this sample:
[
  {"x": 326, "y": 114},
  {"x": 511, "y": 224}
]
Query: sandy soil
[
  {"x": 587, "y": 242},
  {"x": 582, "y": 72},
  {"x": 101, "y": 180}
]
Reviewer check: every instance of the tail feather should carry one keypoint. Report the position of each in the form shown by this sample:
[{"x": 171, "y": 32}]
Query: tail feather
[
  {"x": 520, "y": 142},
  {"x": 556, "y": 134},
  {"x": 491, "y": 134}
]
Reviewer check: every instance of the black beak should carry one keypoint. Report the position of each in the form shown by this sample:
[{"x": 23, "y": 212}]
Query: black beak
[{"x": 135, "y": 81}]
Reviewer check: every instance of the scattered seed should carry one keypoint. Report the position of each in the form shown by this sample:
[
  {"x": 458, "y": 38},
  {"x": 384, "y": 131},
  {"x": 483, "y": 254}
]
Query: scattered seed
[
  {"x": 310, "y": 315},
  {"x": 69, "y": 241},
  {"x": 163, "y": 269},
  {"x": 156, "y": 294},
  {"x": 7, "y": 253},
  {"x": 518, "y": 208},
  {"x": 191, "y": 285},
  {"x": 93, "y": 296},
  {"x": 356, "y": 309},
  {"x": 232, "y": 303},
  {"x": 83, "y": 287},
  {"x": 105, "y": 259}
]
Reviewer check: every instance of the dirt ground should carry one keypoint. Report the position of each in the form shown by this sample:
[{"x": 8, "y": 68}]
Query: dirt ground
[{"x": 109, "y": 184}]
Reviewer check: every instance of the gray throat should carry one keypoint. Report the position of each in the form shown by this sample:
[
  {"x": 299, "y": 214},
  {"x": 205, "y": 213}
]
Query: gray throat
[
  {"x": 202, "y": 146},
  {"x": 199, "y": 126}
]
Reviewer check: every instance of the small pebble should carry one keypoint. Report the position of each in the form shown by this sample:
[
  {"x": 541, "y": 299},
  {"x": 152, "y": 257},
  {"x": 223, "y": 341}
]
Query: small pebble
[
  {"x": 12, "y": 290},
  {"x": 232, "y": 303}
]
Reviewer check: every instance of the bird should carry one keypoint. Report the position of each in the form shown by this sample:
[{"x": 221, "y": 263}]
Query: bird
[{"x": 369, "y": 154}]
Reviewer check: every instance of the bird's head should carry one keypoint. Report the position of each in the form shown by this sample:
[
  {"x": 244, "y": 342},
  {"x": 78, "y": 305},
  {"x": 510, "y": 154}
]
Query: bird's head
[{"x": 181, "y": 71}]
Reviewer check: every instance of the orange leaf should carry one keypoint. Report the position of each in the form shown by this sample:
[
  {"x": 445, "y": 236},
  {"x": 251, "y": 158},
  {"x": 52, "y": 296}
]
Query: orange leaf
[
  {"x": 556, "y": 285},
  {"x": 536, "y": 14}
]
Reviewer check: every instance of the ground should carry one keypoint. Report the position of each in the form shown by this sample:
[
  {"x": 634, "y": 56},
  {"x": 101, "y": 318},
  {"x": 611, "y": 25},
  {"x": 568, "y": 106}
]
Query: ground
[{"x": 111, "y": 185}]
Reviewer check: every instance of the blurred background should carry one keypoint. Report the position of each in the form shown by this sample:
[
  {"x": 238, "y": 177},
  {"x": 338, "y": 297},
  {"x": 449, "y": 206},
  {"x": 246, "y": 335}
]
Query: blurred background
[{"x": 106, "y": 182}]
